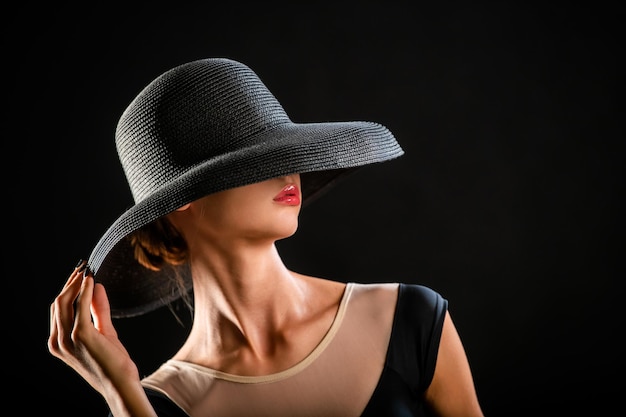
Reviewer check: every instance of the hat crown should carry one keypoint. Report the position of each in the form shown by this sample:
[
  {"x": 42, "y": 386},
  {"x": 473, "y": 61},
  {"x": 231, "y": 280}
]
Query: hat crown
[
  {"x": 203, "y": 127},
  {"x": 191, "y": 114}
]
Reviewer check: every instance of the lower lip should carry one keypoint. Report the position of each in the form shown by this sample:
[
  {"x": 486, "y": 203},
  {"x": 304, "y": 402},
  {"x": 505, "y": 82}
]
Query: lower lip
[{"x": 288, "y": 200}]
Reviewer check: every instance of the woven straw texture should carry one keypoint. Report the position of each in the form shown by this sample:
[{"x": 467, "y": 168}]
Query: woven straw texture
[{"x": 207, "y": 126}]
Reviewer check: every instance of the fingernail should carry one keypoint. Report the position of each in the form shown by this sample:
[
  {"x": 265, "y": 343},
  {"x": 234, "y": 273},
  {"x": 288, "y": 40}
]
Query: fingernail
[
  {"x": 87, "y": 271},
  {"x": 80, "y": 262},
  {"x": 82, "y": 267}
]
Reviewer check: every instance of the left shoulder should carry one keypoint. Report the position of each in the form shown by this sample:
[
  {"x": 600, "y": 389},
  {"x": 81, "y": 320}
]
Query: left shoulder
[
  {"x": 375, "y": 293},
  {"x": 374, "y": 302},
  {"x": 393, "y": 290}
]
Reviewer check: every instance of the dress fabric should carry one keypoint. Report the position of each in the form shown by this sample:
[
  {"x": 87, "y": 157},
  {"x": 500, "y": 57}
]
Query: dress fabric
[{"x": 376, "y": 359}]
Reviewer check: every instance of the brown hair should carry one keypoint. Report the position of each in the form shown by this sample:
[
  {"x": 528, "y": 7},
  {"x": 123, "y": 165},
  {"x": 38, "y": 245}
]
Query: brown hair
[{"x": 160, "y": 245}]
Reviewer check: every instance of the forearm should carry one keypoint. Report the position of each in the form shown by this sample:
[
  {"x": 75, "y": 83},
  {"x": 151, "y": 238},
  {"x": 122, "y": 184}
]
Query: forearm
[{"x": 128, "y": 399}]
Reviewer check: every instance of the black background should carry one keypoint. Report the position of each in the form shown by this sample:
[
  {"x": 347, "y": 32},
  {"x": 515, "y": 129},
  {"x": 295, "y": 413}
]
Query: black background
[{"x": 507, "y": 200}]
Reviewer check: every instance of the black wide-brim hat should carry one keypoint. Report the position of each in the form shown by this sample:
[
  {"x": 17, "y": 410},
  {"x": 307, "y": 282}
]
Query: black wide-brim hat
[{"x": 203, "y": 127}]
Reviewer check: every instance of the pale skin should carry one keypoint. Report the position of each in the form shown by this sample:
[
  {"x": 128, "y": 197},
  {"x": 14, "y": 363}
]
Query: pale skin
[{"x": 252, "y": 315}]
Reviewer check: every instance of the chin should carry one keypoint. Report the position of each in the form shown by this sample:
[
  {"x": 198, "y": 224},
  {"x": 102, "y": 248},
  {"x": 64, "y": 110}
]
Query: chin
[
  {"x": 288, "y": 230},
  {"x": 292, "y": 231}
]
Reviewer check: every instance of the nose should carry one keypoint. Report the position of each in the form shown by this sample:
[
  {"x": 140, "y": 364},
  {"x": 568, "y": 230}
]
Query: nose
[{"x": 292, "y": 178}]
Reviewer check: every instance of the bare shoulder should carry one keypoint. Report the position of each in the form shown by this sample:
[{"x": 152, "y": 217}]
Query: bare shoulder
[{"x": 323, "y": 288}]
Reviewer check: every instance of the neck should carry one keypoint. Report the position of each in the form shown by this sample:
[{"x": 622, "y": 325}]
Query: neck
[{"x": 244, "y": 297}]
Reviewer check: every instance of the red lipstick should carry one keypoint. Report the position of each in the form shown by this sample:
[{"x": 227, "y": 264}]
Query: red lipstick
[{"x": 289, "y": 195}]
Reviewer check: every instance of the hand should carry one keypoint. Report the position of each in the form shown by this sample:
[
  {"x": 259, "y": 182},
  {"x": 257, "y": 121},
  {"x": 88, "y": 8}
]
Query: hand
[{"x": 82, "y": 334}]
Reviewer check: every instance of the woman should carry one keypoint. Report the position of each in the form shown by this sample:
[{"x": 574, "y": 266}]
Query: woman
[{"x": 219, "y": 173}]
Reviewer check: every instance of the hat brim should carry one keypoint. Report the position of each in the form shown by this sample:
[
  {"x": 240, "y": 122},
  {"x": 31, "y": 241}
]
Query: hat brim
[{"x": 321, "y": 152}]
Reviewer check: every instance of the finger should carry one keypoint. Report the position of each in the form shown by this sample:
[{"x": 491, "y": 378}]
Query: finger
[
  {"x": 53, "y": 342},
  {"x": 64, "y": 311},
  {"x": 71, "y": 278},
  {"x": 52, "y": 317},
  {"x": 70, "y": 290},
  {"x": 84, "y": 298},
  {"x": 101, "y": 310},
  {"x": 78, "y": 269}
]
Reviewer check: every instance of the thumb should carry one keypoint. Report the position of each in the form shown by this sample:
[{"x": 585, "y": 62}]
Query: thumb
[{"x": 101, "y": 310}]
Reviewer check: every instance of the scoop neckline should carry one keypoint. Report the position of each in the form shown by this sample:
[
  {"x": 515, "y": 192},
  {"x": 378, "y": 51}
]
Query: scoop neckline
[{"x": 286, "y": 373}]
